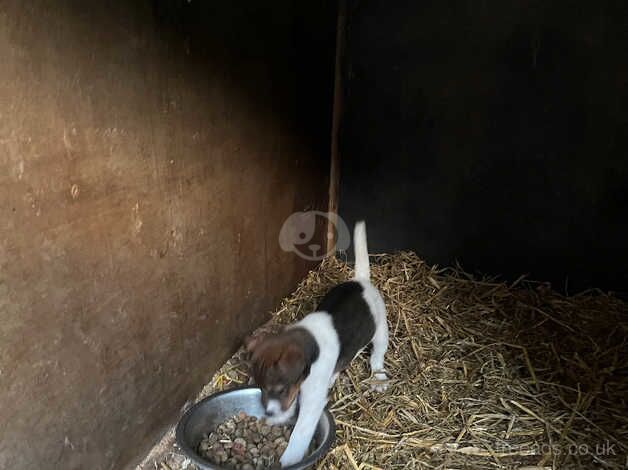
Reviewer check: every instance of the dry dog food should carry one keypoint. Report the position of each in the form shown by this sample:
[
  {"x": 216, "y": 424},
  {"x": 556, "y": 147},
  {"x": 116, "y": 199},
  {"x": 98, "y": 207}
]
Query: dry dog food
[{"x": 246, "y": 443}]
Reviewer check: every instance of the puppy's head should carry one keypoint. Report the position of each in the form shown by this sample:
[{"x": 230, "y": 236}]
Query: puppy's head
[{"x": 279, "y": 368}]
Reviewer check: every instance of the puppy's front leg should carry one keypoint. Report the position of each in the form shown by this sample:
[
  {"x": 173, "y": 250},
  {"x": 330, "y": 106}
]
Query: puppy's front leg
[{"x": 311, "y": 406}]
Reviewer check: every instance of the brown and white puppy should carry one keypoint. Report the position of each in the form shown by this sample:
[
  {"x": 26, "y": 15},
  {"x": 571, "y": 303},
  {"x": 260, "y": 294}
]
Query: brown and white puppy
[{"x": 304, "y": 360}]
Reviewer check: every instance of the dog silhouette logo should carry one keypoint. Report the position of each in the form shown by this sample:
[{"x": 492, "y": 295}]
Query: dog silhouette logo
[{"x": 298, "y": 230}]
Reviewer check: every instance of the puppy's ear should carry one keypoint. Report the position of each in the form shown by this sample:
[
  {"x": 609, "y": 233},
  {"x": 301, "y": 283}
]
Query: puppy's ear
[
  {"x": 252, "y": 341},
  {"x": 292, "y": 362}
]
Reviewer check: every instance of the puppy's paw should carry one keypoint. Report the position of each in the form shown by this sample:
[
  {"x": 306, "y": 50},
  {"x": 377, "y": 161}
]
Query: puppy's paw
[{"x": 380, "y": 382}]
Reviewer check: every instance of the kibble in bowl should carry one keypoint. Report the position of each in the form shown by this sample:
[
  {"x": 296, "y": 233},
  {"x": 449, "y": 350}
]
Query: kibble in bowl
[
  {"x": 221, "y": 416},
  {"x": 245, "y": 442}
]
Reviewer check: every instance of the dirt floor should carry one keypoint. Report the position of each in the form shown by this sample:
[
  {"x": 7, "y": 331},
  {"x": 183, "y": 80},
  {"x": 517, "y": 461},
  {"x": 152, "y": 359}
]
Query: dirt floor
[{"x": 485, "y": 375}]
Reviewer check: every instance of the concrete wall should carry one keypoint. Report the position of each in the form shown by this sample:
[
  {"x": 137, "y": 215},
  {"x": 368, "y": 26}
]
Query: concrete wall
[
  {"x": 149, "y": 153},
  {"x": 491, "y": 132}
]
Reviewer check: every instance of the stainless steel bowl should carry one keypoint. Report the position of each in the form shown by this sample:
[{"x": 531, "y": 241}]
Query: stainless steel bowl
[{"x": 205, "y": 415}]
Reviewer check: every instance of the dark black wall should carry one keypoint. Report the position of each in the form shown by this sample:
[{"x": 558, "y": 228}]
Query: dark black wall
[{"x": 493, "y": 133}]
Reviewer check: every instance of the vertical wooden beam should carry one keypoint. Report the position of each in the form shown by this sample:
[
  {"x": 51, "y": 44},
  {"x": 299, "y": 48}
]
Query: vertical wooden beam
[{"x": 334, "y": 170}]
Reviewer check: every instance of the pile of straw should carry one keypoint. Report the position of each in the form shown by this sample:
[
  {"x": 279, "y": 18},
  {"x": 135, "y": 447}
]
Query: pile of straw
[{"x": 484, "y": 374}]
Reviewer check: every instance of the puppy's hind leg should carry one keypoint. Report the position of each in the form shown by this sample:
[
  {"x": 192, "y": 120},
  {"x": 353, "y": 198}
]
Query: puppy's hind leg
[{"x": 380, "y": 346}]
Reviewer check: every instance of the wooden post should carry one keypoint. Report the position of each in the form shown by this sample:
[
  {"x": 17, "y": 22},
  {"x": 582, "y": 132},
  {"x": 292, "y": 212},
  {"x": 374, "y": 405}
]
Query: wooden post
[{"x": 334, "y": 170}]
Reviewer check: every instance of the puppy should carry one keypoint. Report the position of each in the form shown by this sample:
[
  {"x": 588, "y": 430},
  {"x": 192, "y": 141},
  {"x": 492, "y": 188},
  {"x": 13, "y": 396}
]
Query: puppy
[{"x": 305, "y": 359}]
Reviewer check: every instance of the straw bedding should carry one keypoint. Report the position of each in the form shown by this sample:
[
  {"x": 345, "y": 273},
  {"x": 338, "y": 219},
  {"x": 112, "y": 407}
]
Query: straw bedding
[{"x": 485, "y": 374}]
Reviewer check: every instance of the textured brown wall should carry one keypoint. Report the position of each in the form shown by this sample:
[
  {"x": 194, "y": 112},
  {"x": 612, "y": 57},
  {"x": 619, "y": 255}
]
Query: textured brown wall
[{"x": 149, "y": 153}]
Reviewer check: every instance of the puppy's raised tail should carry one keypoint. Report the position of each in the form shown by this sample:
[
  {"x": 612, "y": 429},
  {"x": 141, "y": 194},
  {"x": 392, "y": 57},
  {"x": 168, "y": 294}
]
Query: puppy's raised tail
[{"x": 362, "y": 268}]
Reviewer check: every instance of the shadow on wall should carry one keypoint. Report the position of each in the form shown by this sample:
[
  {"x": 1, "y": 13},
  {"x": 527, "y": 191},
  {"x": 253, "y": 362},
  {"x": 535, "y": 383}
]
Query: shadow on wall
[{"x": 221, "y": 38}]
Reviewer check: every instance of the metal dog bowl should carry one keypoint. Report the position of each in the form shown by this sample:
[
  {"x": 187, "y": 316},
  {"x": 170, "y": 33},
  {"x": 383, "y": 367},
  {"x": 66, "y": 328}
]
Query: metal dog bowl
[{"x": 204, "y": 416}]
